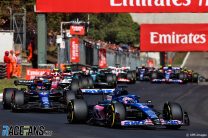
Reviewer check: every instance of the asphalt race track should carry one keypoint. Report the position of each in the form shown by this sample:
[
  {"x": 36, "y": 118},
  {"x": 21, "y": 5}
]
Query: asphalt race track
[{"x": 192, "y": 97}]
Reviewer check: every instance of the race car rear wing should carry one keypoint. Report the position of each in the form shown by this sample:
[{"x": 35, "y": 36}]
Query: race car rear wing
[
  {"x": 97, "y": 91},
  {"x": 29, "y": 82},
  {"x": 23, "y": 82}
]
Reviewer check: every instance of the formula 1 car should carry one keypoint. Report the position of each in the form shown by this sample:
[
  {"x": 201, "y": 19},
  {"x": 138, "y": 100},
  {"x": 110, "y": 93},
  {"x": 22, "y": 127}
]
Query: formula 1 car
[
  {"x": 144, "y": 73},
  {"x": 123, "y": 109},
  {"x": 68, "y": 79},
  {"x": 102, "y": 77},
  {"x": 39, "y": 95},
  {"x": 124, "y": 74},
  {"x": 191, "y": 76},
  {"x": 169, "y": 75}
]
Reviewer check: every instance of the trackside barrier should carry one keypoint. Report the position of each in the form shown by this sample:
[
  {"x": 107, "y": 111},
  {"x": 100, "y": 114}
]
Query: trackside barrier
[
  {"x": 3, "y": 69},
  {"x": 89, "y": 55}
]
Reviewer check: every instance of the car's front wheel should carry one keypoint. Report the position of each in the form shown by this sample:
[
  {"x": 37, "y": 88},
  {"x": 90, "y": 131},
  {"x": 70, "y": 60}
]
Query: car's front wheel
[
  {"x": 77, "y": 111},
  {"x": 172, "y": 111},
  {"x": 115, "y": 114}
]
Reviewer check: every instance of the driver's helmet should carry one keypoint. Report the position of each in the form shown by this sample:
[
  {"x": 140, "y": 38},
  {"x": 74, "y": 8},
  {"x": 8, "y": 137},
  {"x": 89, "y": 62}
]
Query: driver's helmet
[
  {"x": 120, "y": 92},
  {"x": 56, "y": 74},
  {"x": 143, "y": 66},
  {"x": 169, "y": 66},
  {"x": 68, "y": 69},
  {"x": 185, "y": 69},
  {"x": 84, "y": 69},
  {"x": 127, "y": 100},
  {"x": 56, "y": 70},
  {"x": 39, "y": 85}
]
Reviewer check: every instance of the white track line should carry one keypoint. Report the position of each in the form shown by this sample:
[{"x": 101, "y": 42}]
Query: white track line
[
  {"x": 1, "y": 97},
  {"x": 185, "y": 59}
]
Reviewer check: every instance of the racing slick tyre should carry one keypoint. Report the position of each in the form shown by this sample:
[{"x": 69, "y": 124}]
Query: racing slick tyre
[
  {"x": 77, "y": 111},
  {"x": 182, "y": 76},
  {"x": 85, "y": 83},
  {"x": 115, "y": 114},
  {"x": 7, "y": 97},
  {"x": 154, "y": 75},
  {"x": 129, "y": 76},
  {"x": 80, "y": 83},
  {"x": 17, "y": 100},
  {"x": 114, "y": 78},
  {"x": 134, "y": 75},
  {"x": 109, "y": 79},
  {"x": 75, "y": 85},
  {"x": 90, "y": 83},
  {"x": 195, "y": 77},
  {"x": 172, "y": 111},
  {"x": 70, "y": 95}
]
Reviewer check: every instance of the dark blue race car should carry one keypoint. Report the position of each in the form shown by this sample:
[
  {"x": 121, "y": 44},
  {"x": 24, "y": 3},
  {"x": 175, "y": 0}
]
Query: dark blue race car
[
  {"x": 38, "y": 95},
  {"x": 123, "y": 109},
  {"x": 168, "y": 75}
]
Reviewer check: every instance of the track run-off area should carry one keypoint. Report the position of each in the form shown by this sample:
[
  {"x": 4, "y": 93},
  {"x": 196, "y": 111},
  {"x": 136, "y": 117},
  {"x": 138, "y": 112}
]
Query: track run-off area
[{"x": 192, "y": 97}]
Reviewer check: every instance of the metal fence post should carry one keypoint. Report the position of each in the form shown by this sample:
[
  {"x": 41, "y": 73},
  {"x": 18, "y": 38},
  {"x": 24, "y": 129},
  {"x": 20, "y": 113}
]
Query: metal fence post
[{"x": 42, "y": 38}]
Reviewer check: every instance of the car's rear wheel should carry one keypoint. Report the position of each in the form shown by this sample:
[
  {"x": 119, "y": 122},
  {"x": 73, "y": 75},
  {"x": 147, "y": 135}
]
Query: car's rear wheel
[
  {"x": 134, "y": 75},
  {"x": 195, "y": 77},
  {"x": 129, "y": 76},
  {"x": 17, "y": 101},
  {"x": 154, "y": 75},
  {"x": 115, "y": 114},
  {"x": 77, "y": 111},
  {"x": 70, "y": 95},
  {"x": 75, "y": 85},
  {"x": 90, "y": 82},
  {"x": 109, "y": 78},
  {"x": 85, "y": 83},
  {"x": 114, "y": 78},
  {"x": 172, "y": 111},
  {"x": 7, "y": 97}
]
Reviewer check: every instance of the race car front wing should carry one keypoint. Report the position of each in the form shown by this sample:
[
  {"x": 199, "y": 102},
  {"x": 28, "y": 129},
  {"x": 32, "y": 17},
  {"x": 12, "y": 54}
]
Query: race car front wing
[{"x": 149, "y": 122}]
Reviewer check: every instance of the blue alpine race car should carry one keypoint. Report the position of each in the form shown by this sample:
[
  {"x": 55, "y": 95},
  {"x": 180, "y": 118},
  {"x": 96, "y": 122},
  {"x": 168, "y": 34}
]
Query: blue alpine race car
[
  {"x": 119, "y": 108},
  {"x": 169, "y": 75}
]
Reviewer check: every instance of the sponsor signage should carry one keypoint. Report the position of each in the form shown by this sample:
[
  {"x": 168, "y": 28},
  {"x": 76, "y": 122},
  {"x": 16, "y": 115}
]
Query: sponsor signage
[
  {"x": 95, "y": 91},
  {"x": 102, "y": 58},
  {"x": 32, "y": 73},
  {"x": 142, "y": 6},
  {"x": 150, "y": 63},
  {"x": 74, "y": 50},
  {"x": 77, "y": 30},
  {"x": 174, "y": 37}
]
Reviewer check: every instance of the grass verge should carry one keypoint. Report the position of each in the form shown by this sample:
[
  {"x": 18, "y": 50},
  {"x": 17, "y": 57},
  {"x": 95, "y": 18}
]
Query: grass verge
[
  {"x": 7, "y": 83},
  {"x": 178, "y": 59}
]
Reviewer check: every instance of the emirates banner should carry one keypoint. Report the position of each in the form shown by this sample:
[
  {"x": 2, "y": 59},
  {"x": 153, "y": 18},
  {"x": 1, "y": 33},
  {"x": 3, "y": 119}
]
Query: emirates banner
[
  {"x": 77, "y": 30},
  {"x": 32, "y": 73},
  {"x": 143, "y": 6},
  {"x": 102, "y": 58},
  {"x": 74, "y": 50},
  {"x": 174, "y": 37}
]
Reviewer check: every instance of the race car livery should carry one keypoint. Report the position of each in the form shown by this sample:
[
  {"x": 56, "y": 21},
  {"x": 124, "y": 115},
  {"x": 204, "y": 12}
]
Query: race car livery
[
  {"x": 38, "y": 95},
  {"x": 123, "y": 109}
]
